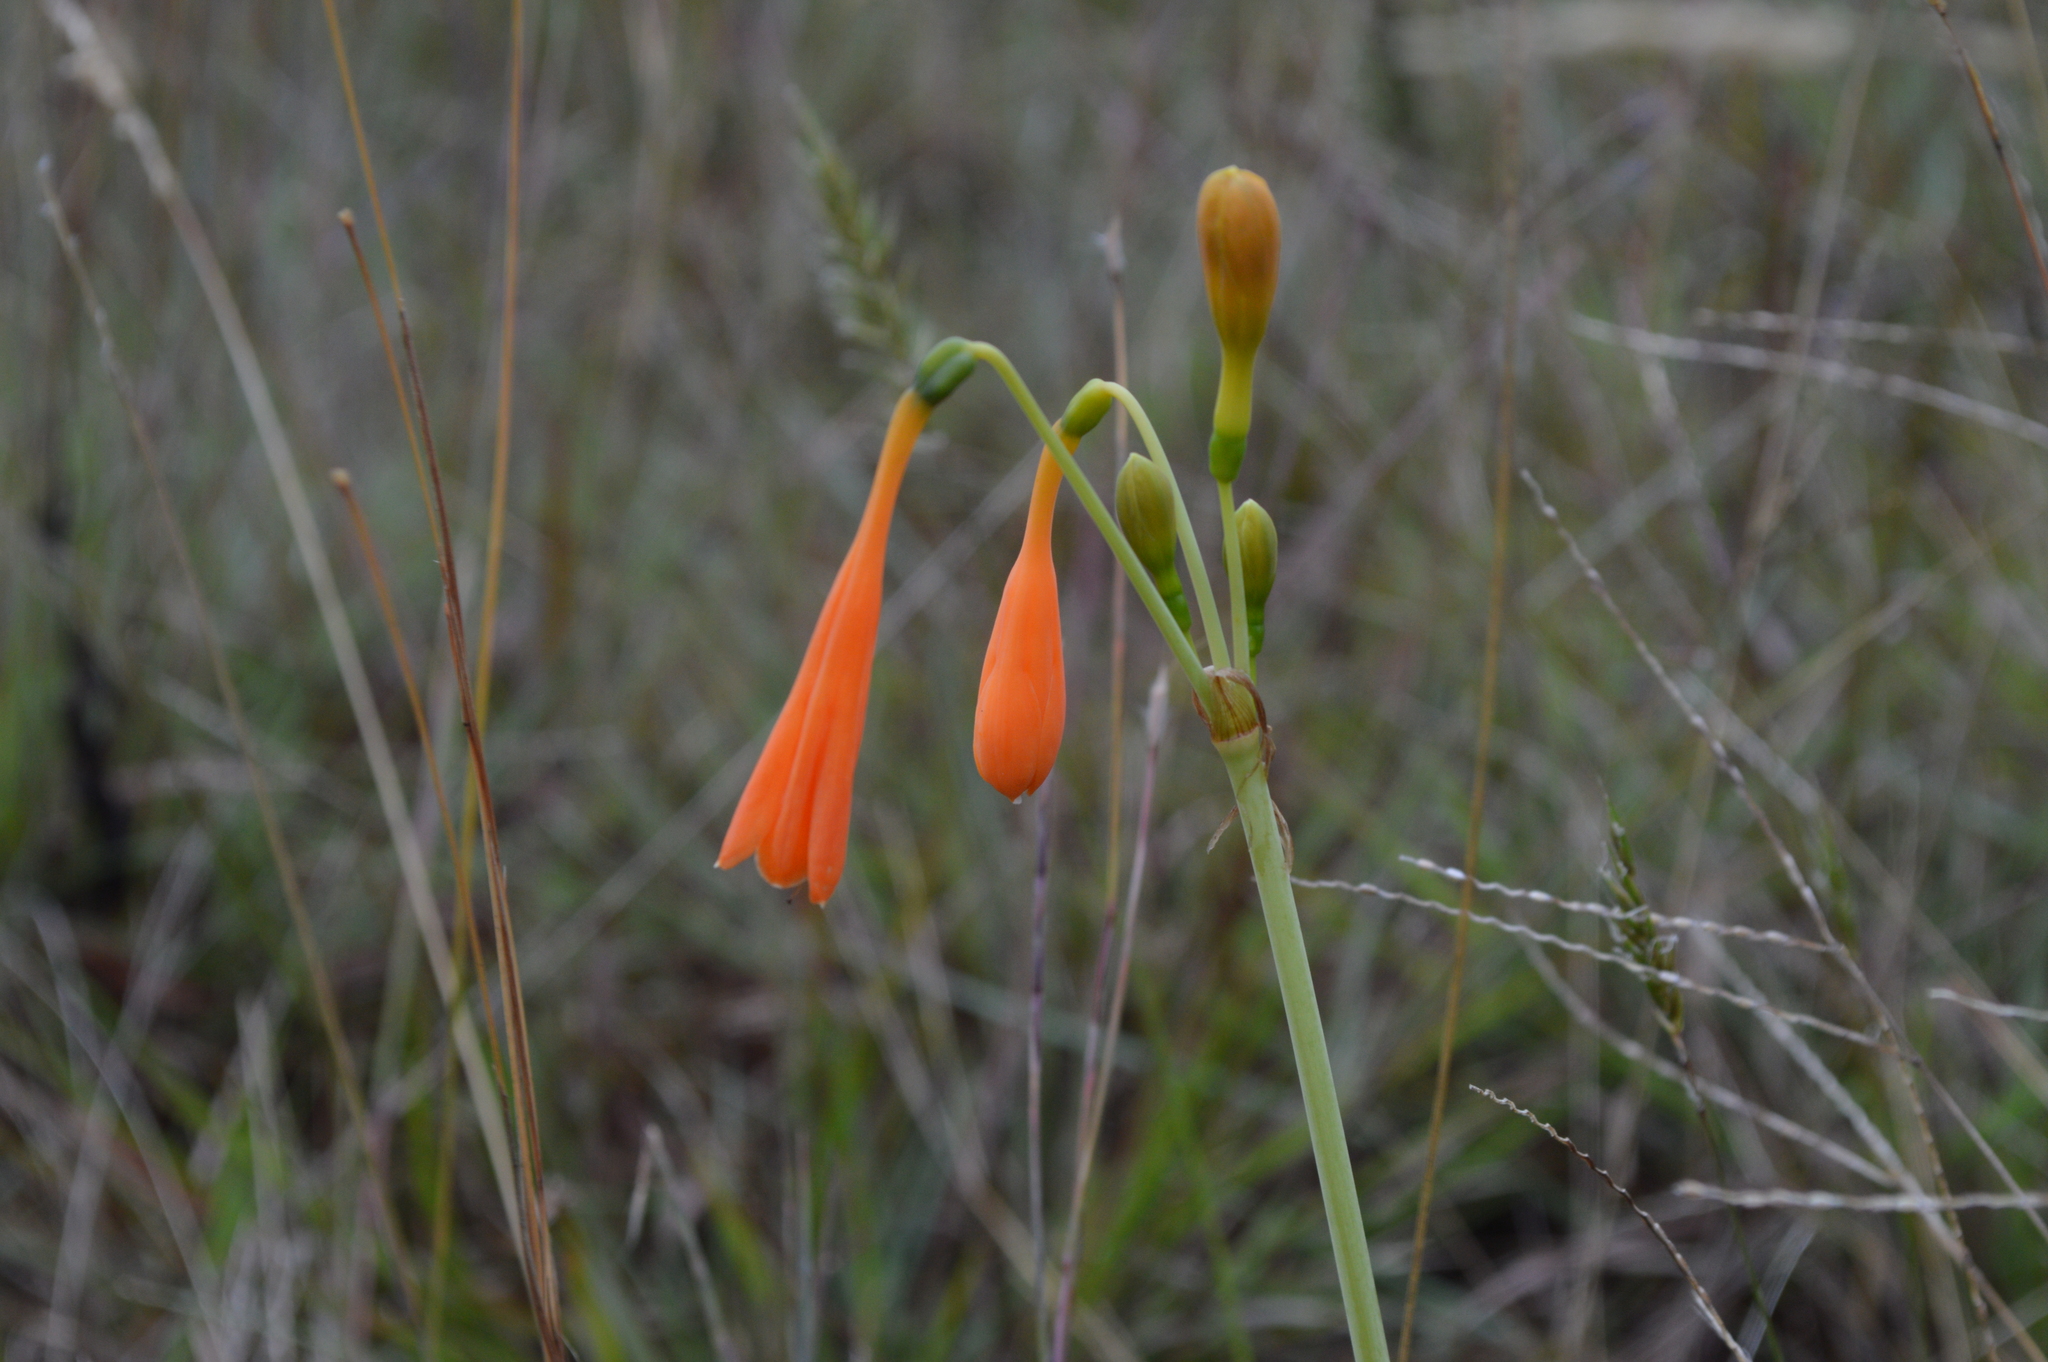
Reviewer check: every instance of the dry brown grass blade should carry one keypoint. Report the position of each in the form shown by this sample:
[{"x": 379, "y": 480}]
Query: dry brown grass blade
[
  {"x": 537, "y": 1251},
  {"x": 468, "y": 954},
  {"x": 1489, "y": 677},
  {"x": 373, "y": 562},
  {"x": 465, "y": 906},
  {"x": 2012, "y": 179},
  {"x": 346, "y": 1077}
]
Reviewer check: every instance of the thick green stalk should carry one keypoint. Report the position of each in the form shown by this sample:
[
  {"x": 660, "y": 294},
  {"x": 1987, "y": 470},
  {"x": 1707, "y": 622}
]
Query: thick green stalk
[
  {"x": 1205, "y": 598},
  {"x": 1233, "y": 567},
  {"x": 1245, "y": 758},
  {"x": 1176, "y": 641}
]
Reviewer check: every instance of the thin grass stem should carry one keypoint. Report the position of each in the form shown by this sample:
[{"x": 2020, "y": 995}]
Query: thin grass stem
[
  {"x": 537, "y": 1255},
  {"x": 1099, "y": 1049},
  {"x": 2012, "y": 181},
  {"x": 441, "y": 1233},
  {"x": 1489, "y": 675},
  {"x": 1034, "y": 1053}
]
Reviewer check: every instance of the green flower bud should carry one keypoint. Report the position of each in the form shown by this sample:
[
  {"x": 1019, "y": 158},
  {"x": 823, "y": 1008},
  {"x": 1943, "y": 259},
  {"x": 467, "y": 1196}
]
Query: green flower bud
[
  {"x": 944, "y": 369},
  {"x": 1258, "y": 551},
  {"x": 1144, "y": 508},
  {"x": 1258, "y": 555},
  {"x": 1087, "y": 409}
]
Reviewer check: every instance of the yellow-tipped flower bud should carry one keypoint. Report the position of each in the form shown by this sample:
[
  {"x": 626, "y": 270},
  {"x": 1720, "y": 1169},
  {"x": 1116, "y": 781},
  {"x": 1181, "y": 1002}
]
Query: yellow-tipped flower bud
[
  {"x": 1144, "y": 508},
  {"x": 1258, "y": 553},
  {"x": 1089, "y": 406},
  {"x": 1240, "y": 230},
  {"x": 944, "y": 369},
  {"x": 1239, "y": 227}
]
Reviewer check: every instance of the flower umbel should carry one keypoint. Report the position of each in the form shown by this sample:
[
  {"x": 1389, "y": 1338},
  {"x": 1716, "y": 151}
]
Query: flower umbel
[
  {"x": 793, "y": 816},
  {"x": 1021, "y": 711}
]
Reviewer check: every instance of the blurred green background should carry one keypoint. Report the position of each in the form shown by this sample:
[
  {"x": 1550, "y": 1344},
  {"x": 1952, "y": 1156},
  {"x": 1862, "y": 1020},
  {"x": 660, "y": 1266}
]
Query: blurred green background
[{"x": 1809, "y": 469}]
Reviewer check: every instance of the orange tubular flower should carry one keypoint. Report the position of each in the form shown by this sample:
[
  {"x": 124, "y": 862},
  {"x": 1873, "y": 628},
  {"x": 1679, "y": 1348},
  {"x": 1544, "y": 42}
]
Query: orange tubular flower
[
  {"x": 794, "y": 813},
  {"x": 1022, "y": 709}
]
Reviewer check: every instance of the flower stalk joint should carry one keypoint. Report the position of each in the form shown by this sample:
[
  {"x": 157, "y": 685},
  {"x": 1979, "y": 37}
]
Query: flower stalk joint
[
  {"x": 945, "y": 368},
  {"x": 1086, "y": 411}
]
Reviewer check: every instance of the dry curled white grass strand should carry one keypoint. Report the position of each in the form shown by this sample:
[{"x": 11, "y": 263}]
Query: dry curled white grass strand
[
  {"x": 1634, "y": 967},
  {"x": 1613, "y": 914}
]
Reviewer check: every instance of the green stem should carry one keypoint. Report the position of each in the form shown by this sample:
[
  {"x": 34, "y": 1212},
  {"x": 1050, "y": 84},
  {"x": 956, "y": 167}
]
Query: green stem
[
  {"x": 1244, "y": 756},
  {"x": 1233, "y": 567},
  {"x": 1212, "y": 622},
  {"x": 1176, "y": 641}
]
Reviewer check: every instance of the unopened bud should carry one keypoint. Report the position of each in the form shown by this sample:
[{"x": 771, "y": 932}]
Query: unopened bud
[
  {"x": 944, "y": 369},
  {"x": 1144, "y": 509},
  {"x": 1239, "y": 225},
  {"x": 1258, "y": 550},
  {"x": 1258, "y": 556},
  {"x": 1086, "y": 411}
]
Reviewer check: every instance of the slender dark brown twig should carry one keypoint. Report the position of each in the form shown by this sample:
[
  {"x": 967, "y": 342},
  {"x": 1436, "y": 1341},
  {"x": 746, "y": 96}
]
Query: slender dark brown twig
[
  {"x": 1496, "y": 598},
  {"x": 466, "y": 947},
  {"x": 464, "y": 901},
  {"x": 2012, "y": 179},
  {"x": 537, "y": 1255}
]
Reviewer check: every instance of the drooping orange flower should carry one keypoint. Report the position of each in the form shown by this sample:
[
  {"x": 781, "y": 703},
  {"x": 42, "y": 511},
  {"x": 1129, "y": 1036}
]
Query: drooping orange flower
[
  {"x": 793, "y": 816},
  {"x": 1022, "y": 709}
]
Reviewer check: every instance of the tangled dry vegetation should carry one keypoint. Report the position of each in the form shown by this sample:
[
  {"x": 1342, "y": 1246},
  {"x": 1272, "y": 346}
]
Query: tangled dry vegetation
[{"x": 1761, "y": 930}]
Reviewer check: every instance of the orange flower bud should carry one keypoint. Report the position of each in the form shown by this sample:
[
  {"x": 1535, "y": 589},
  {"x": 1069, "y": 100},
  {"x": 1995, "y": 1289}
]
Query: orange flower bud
[
  {"x": 1239, "y": 225},
  {"x": 1021, "y": 711}
]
